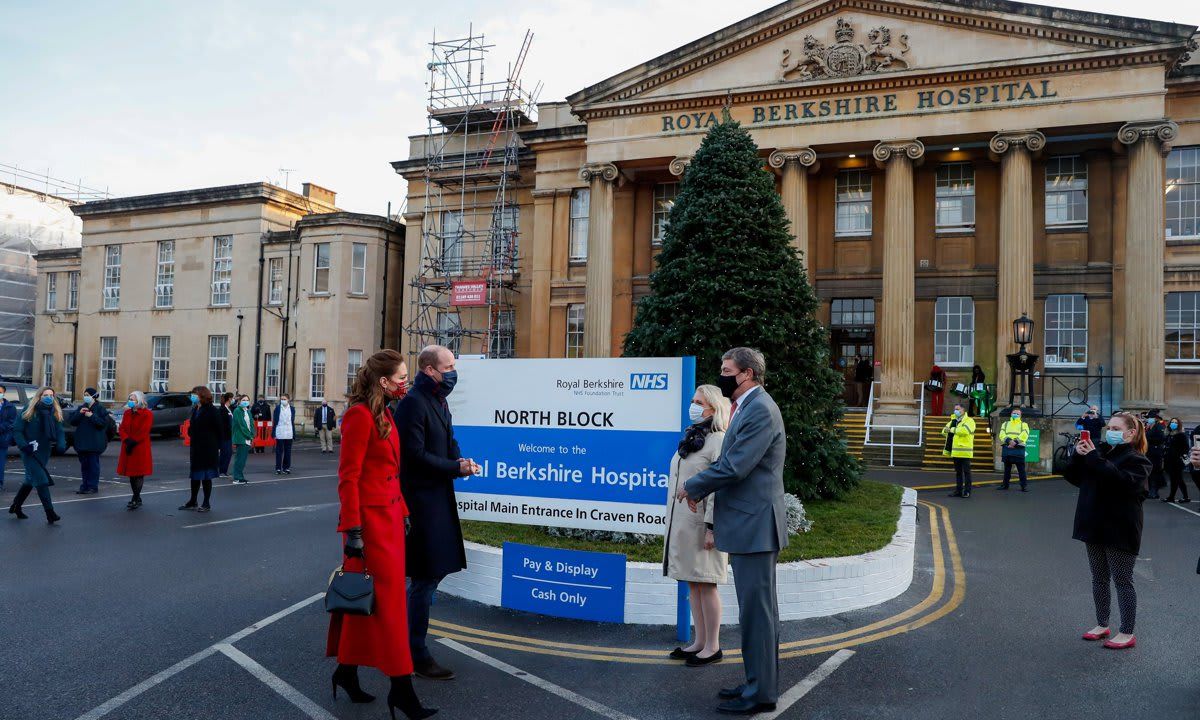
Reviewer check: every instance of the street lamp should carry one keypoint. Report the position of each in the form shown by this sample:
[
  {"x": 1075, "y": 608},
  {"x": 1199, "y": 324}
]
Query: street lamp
[
  {"x": 1021, "y": 364},
  {"x": 1023, "y": 330},
  {"x": 57, "y": 319}
]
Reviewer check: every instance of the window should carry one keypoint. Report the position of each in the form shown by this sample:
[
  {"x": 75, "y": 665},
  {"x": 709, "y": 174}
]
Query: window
[
  {"x": 164, "y": 279},
  {"x": 353, "y": 363},
  {"x": 275, "y": 281},
  {"x": 1066, "y": 191},
  {"x": 453, "y": 235},
  {"x": 51, "y": 292},
  {"x": 501, "y": 345},
  {"x": 1183, "y": 192},
  {"x": 358, "y": 268},
  {"x": 664, "y": 198},
  {"x": 316, "y": 376},
  {"x": 449, "y": 330},
  {"x": 218, "y": 362},
  {"x": 852, "y": 312},
  {"x": 954, "y": 331},
  {"x": 1183, "y": 327},
  {"x": 108, "y": 368},
  {"x": 506, "y": 225},
  {"x": 271, "y": 375},
  {"x": 160, "y": 364},
  {"x": 1066, "y": 330},
  {"x": 581, "y": 201},
  {"x": 112, "y": 277},
  {"x": 321, "y": 268},
  {"x": 48, "y": 370},
  {"x": 222, "y": 269},
  {"x": 69, "y": 374},
  {"x": 955, "y": 189},
  {"x": 575, "y": 330},
  {"x": 73, "y": 290},
  {"x": 853, "y": 203}
]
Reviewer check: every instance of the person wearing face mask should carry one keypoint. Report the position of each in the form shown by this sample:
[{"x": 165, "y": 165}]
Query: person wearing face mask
[
  {"x": 689, "y": 549},
  {"x": 1112, "y": 483},
  {"x": 284, "y": 430},
  {"x": 1013, "y": 435},
  {"x": 960, "y": 446},
  {"x": 204, "y": 450},
  {"x": 326, "y": 420},
  {"x": 36, "y": 432},
  {"x": 1090, "y": 421},
  {"x": 1156, "y": 446},
  {"x": 91, "y": 439},
  {"x": 243, "y": 438},
  {"x": 1175, "y": 457},
  {"x": 225, "y": 412},
  {"x": 430, "y": 462},
  {"x": 135, "y": 461}
]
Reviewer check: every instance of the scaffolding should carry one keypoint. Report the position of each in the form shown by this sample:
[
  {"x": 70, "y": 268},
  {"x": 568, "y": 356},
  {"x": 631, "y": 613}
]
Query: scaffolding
[{"x": 464, "y": 289}]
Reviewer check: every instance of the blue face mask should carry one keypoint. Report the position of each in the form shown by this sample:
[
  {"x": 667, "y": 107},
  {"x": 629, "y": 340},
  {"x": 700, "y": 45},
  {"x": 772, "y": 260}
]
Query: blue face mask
[
  {"x": 957, "y": 412},
  {"x": 1174, "y": 426},
  {"x": 194, "y": 398},
  {"x": 1017, "y": 417},
  {"x": 244, "y": 403},
  {"x": 1114, "y": 437},
  {"x": 130, "y": 404},
  {"x": 449, "y": 380},
  {"x": 88, "y": 399},
  {"x": 47, "y": 400}
]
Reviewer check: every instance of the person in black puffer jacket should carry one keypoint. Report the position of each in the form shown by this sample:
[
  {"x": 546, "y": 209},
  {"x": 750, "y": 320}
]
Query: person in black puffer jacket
[{"x": 1113, "y": 483}]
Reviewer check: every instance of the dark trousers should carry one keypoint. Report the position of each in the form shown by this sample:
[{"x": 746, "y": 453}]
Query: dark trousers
[
  {"x": 962, "y": 475},
  {"x": 420, "y": 598},
  {"x": 43, "y": 495},
  {"x": 89, "y": 468},
  {"x": 283, "y": 455},
  {"x": 224, "y": 456},
  {"x": 1175, "y": 472},
  {"x": 1008, "y": 466},
  {"x": 1115, "y": 566},
  {"x": 758, "y": 615}
]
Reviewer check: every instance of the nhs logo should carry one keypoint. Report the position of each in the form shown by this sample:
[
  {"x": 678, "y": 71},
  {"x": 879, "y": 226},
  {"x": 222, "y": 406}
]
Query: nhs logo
[{"x": 648, "y": 381}]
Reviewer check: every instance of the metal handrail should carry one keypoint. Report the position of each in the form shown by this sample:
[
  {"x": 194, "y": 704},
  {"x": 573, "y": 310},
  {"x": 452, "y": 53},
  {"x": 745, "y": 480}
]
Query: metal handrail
[{"x": 891, "y": 444}]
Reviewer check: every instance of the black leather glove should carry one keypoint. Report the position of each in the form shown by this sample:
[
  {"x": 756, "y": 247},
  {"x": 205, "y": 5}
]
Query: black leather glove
[
  {"x": 354, "y": 543},
  {"x": 130, "y": 445}
]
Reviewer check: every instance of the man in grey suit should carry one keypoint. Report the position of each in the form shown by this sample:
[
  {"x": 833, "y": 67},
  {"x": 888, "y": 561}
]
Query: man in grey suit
[{"x": 749, "y": 522}]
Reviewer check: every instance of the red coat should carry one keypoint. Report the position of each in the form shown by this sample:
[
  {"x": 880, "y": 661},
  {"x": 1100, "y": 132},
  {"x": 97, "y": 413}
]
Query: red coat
[
  {"x": 369, "y": 490},
  {"x": 135, "y": 425}
]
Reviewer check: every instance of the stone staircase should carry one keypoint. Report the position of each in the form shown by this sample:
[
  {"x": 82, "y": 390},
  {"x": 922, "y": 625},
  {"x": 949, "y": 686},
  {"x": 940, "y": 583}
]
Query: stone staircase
[
  {"x": 929, "y": 456},
  {"x": 852, "y": 428},
  {"x": 935, "y": 441}
]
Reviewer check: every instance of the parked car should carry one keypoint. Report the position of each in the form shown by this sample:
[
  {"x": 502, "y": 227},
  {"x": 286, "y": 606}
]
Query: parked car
[{"x": 169, "y": 410}]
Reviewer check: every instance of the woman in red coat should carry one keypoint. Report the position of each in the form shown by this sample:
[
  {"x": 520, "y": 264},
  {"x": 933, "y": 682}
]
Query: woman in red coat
[
  {"x": 373, "y": 518},
  {"x": 135, "y": 461}
]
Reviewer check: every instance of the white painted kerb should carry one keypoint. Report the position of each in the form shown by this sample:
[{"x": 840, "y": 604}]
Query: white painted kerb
[{"x": 808, "y": 588}]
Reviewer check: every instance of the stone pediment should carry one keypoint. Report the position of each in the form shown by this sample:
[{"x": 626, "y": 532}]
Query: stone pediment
[{"x": 809, "y": 42}]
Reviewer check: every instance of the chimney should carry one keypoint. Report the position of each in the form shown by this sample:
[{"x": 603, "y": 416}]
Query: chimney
[{"x": 315, "y": 192}]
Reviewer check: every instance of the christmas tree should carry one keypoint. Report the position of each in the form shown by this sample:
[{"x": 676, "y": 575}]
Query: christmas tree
[{"x": 729, "y": 276}]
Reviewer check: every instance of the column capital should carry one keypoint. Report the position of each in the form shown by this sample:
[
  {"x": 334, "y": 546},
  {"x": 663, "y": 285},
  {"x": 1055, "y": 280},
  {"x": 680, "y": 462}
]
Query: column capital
[
  {"x": 1164, "y": 131},
  {"x": 599, "y": 171},
  {"x": 679, "y": 164},
  {"x": 1002, "y": 142},
  {"x": 805, "y": 156},
  {"x": 912, "y": 149}
]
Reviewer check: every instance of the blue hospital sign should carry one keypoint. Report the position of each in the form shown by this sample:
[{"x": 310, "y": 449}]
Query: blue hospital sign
[
  {"x": 564, "y": 583},
  {"x": 583, "y": 443}
]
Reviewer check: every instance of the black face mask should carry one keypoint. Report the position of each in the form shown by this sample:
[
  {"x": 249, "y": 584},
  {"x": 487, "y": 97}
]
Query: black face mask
[{"x": 727, "y": 384}]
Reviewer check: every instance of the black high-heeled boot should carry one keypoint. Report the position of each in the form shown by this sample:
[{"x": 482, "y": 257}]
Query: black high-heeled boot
[
  {"x": 15, "y": 508},
  {"x": 402, "y": 696},
  {"x": 346, "y": 677}
]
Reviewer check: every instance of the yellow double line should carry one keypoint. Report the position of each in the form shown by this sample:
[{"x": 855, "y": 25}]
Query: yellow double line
[{"x": 917, "y": 616}]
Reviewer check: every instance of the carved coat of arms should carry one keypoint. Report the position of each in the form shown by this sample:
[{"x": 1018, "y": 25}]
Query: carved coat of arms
[{"x": 845, "y": 58}]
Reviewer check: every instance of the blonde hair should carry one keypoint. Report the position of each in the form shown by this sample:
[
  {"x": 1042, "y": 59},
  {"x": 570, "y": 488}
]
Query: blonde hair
[
  {"x": 37, "y": 398},
  {"x": 720, "y": 405},
  {"x": 139, "y": 398}
]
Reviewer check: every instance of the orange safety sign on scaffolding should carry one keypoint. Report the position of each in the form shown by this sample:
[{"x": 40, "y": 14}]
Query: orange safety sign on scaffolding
[{"x": 263, "y": 436}]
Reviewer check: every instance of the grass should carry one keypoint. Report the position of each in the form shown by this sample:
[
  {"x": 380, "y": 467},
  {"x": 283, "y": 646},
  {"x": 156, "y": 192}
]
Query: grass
[{"x": 862, "y": 521}]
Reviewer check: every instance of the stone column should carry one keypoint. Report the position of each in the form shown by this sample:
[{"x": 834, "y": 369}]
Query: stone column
[
  {"x": 598, "y": 295},
  {"x": 1014, "y": 276},
  {"x": 795, "y": 164},
  {"x": 896, "y": 403},
  {"x": 1145, "y": 327}
]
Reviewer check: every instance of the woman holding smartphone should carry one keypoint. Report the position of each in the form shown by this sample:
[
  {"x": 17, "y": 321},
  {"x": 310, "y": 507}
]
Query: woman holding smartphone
[{"x": 1112, "y": 483}]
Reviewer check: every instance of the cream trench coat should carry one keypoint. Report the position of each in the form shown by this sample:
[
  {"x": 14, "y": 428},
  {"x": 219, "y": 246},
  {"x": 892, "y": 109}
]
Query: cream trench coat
[{"x": 684, "y": 556}]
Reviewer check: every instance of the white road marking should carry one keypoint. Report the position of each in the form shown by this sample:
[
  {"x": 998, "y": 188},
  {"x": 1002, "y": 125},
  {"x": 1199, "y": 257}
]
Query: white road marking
[
  {"x": 536, "y": 681},
  {"x": 806, "y": 685},
  {"x": 159, "y": 677},
  {"x": 236, "y": 519},
  {"x": 276, "y": 683},
  {"x": 181, "y": 488},
  {"x": 1177, "y": 506}
]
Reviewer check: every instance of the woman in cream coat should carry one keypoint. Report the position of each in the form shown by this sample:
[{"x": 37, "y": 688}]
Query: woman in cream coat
[{"x": 689, "y": 554}]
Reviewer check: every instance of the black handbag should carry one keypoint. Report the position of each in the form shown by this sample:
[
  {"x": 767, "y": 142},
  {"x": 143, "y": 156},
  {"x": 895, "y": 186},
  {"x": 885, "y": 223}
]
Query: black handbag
[
  {"x": 351, "y": 593},
  {"x": 1015, "y": 454}
]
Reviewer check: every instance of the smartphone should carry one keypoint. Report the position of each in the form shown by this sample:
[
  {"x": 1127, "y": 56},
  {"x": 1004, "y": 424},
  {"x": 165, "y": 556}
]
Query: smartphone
[{"x": 1085, "y": 436}]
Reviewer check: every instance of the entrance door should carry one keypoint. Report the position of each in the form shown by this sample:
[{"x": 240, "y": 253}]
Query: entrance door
[{"x": 852, "y": 332}]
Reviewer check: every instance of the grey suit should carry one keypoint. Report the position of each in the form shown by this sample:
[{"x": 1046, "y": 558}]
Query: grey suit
[{"x": 750, "y": 523}]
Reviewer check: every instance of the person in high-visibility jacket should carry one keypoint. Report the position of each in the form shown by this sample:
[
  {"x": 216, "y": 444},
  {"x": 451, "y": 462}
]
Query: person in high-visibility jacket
[
  {"x": 960, "y": 445},
  {"x": 1013, "y": 435}
]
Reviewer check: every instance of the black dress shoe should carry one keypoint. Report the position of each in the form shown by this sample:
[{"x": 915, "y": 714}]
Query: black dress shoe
[
  {"x": 966, "y": 494},
  {"x": 697, "y": 661},
  {"x": 731, "y": 693},
  {"x": 681, "y": 654},
  {"x": 430, "y": 670},
  {"x": 742, "y": 706},
  {"x": 954, "y": 494}
]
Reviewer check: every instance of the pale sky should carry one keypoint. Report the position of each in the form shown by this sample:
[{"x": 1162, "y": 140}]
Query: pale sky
[{"x": 144, "y": 97}]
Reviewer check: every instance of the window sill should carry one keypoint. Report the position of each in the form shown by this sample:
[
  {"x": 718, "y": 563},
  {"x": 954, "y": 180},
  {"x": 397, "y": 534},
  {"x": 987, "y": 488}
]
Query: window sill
[
  {"x": 320, "y": 295},
  {"x": 577, "y": 263},
  {"x": 361, "y": 296},
  {"x": 955, "y": 366},
  {"x": 1183, "y": 368},
  {"x": 110, "y": 310},
  {"x": 852, "y": 236},
  {"x": 955, "y": 231},
  {"x": 1056, "y": 229},
  {"x": 1184, "y": 240}
]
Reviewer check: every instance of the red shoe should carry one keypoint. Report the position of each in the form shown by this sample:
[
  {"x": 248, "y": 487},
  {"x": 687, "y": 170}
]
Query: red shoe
[
  {"x": 1096, "y": 636},
  {"x": 1121, "y": 646}
]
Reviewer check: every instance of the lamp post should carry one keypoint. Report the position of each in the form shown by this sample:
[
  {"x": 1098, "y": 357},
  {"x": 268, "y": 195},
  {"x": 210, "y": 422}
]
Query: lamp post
[
  {"x": 57, "y": 319},
  {"x": 237, "y": 373},
  {"x": 1021, "y": 364}
]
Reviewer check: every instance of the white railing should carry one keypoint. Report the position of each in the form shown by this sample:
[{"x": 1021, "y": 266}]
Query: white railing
[{"x": 891, "y": 443}]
